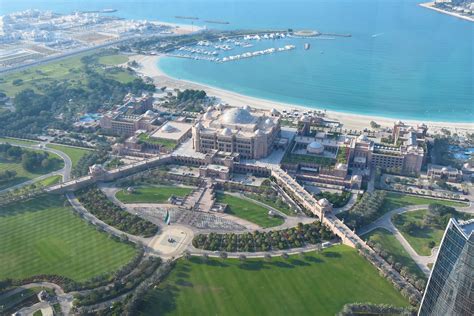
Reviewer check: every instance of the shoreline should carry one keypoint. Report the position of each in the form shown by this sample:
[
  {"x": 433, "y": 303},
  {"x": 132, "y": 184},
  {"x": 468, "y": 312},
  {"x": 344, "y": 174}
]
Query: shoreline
[
  {"x": 149, "y": 68},
  {"x": 430, "y": 5}
]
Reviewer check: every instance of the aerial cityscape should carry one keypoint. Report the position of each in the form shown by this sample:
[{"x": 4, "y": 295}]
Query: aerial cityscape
[{"x": 236, "y": 158}]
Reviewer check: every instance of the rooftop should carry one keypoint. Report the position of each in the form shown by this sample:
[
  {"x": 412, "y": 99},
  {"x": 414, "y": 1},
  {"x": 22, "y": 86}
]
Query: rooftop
[{"x": 172, "y": 130}]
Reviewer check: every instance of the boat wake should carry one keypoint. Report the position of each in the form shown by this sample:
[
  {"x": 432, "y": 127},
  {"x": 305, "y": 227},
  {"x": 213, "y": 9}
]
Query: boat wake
[{"x": 377, "y": 35}]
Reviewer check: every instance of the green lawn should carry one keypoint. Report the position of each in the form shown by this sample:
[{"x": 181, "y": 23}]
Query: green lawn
[
  {"x": 319, "y": 284},
  {"x": 112, "y": 60},
  {"x": 420, "y": 239},
  {"x": 42, "y": 236},
  {"x": 65, "y": 69},
  {"x": 395, "y": 200},
  {"x": 49, "y": 181},
  {"x": 23, "y": 175},
  {"x": 16, "y": 141},
  {"x": 248, "y": 210},
  {"x": 166, "y": 143},
  {"x": 390, "y": 244},
  {"x": 152, "y": 194},
  {"x": 73, "y": 152},
  {"x": 275, "y": 203}
]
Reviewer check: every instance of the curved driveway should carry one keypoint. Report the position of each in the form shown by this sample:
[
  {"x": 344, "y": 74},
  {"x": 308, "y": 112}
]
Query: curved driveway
[
  {"x": 385, "y": 222},
  {"x": 65, "y": 172}
]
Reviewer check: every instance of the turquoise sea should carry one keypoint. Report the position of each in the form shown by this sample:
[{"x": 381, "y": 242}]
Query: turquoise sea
[{"x": 419, "y": 64}]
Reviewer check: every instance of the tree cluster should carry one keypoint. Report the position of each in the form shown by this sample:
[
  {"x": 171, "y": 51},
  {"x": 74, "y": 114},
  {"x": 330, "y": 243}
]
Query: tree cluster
[
  {"x": 30, "y": 160},
  {"x": 295, "y": 237},
  {"x": 336, "y": 199},
  {"x": 387, "y": 271},
  {"x": 94, "y": 157},
  {"x": 55, "y": 104},
  {"x": 191, "y": 95},
  {"x": 366, "y": 210},
  {"x": 120, "y": 286},
  {"x": 7, "y": 175},
  {"x": 404, "y": 271},
  {"x": 100, "y": 206},
  {"x": 438, "y": 215},
  {"x": 375, "y": 309}
]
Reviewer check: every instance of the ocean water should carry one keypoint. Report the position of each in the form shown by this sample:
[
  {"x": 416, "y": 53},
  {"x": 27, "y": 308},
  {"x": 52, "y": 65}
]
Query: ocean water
[{"x": 418, "y": 66}]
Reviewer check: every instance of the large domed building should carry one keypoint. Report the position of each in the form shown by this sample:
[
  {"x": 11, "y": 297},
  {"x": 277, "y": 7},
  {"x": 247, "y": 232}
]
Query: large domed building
[{"x": 243, "y": 130}]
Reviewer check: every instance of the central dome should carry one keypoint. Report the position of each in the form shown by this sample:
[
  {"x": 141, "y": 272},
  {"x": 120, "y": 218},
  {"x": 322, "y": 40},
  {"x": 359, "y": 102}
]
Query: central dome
[
  {"x": 237, "y": 116},
  {"x": 315, "y": 148}
]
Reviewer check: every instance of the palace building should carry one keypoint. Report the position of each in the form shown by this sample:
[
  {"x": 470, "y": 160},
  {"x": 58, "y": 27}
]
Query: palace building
[{"x": 249, "y": 132}]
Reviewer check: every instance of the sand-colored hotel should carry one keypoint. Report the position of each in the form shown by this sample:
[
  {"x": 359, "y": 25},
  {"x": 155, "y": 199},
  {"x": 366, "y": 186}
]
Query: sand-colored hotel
[{"x": 249, "y": 132}]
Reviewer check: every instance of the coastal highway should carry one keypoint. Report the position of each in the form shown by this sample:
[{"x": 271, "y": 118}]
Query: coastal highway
[{"x": 67, "y": 54}]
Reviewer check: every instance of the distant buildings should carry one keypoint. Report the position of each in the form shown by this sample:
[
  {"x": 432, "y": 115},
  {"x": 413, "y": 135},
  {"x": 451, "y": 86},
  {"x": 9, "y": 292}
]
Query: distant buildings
[
  {"x": 405, "y": 155},
  {"x": 249, "y": 132},
  {"x": 449, "y": 174},
  {"x": 126, "y": 119},
  {"x": 450, "y": 289}
]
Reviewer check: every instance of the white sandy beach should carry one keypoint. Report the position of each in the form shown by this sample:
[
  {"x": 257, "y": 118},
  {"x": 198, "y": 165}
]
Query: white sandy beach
[
  {"x": 150, "y": 69},
  {"x": 430, "y": 5}
]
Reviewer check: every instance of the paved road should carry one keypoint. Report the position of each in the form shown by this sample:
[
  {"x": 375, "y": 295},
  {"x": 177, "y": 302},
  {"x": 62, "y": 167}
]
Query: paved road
[
  {"x": 274, "y": 253},
  {"x": 64, "y": 299},
  {"x": 65, "y": 172},
  {"x": 385, "y": 222},
  {"x": 352, "y": 201},
  {"x": 97, "y": 222}
]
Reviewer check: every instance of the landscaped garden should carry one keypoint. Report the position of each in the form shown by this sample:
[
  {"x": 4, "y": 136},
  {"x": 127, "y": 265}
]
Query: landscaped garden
[
  {"x": 337, "y": 199},
  {"x": 100, "y": 206},
  {"x": 248, "y": 210},
  {"x": 44, "y": 237},
  {"x": 152, "y": 194},
  {"x": 74, "y": 153},
  {"x": 316, "y": 284},
  {"x": 296, "y": 237},
  {"x": 49, "y": 181},
  {"x": 424, "y": 229},
  {"x": 17, "y": 141},
  {"x": 396, "y": 200},
  {"x": 18, "y": 164},
  {"x": 391, "y": 249},
  {"x": 274, "y": 201},
  {"x": 64, "y": 69},
  {"x": 375, "y": 204},
  {"x": 165, "y": 143}
]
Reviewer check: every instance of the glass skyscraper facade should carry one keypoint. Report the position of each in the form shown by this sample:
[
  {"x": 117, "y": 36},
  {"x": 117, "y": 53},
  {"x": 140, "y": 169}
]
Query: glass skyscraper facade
[{"x": 450, "y": 288}]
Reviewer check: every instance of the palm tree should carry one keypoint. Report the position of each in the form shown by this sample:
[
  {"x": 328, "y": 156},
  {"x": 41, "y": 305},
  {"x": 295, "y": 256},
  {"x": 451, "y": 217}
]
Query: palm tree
[
  {"x": 223, "y": 255},
  {"x": 187, "y": 255},
  {"x": 285, "y": 256},
  {"x": 242, "y": 258},
  {"x": 268, "y": 257}
]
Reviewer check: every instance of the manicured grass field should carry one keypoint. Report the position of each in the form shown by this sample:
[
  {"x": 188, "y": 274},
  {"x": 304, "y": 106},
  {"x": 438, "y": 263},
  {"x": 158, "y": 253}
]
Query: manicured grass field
[
  {"x": 421, "y": 238},
  {"x": 112, "y": 60},
  {"x": 49, "y": 181},
  {"x": 319, "y": 284},
  {"x": 73, "y": 152},
  {"x": 395, "y": 200},
  {"x": 166, "y": 143},
  {"x": 276, "y": 204},
  {"x": 23, "y": 175},
  {"x": 42, "y": 236},
  {"x": 64, "y": 69},
  {"x": 155, "y": 194},
  {"x": 390, "y": 244},
  {"x": 248, "y": 210},
  {"x": 16, "y": 141}
]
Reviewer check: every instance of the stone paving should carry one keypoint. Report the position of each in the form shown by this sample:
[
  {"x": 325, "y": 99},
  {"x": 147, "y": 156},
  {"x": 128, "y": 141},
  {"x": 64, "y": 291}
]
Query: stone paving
[{"x": 198, "y": 220}]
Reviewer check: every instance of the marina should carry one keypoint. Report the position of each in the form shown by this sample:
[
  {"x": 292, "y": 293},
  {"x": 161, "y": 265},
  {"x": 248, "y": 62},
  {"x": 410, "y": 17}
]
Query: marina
[{"x": 199, "y": 54}]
